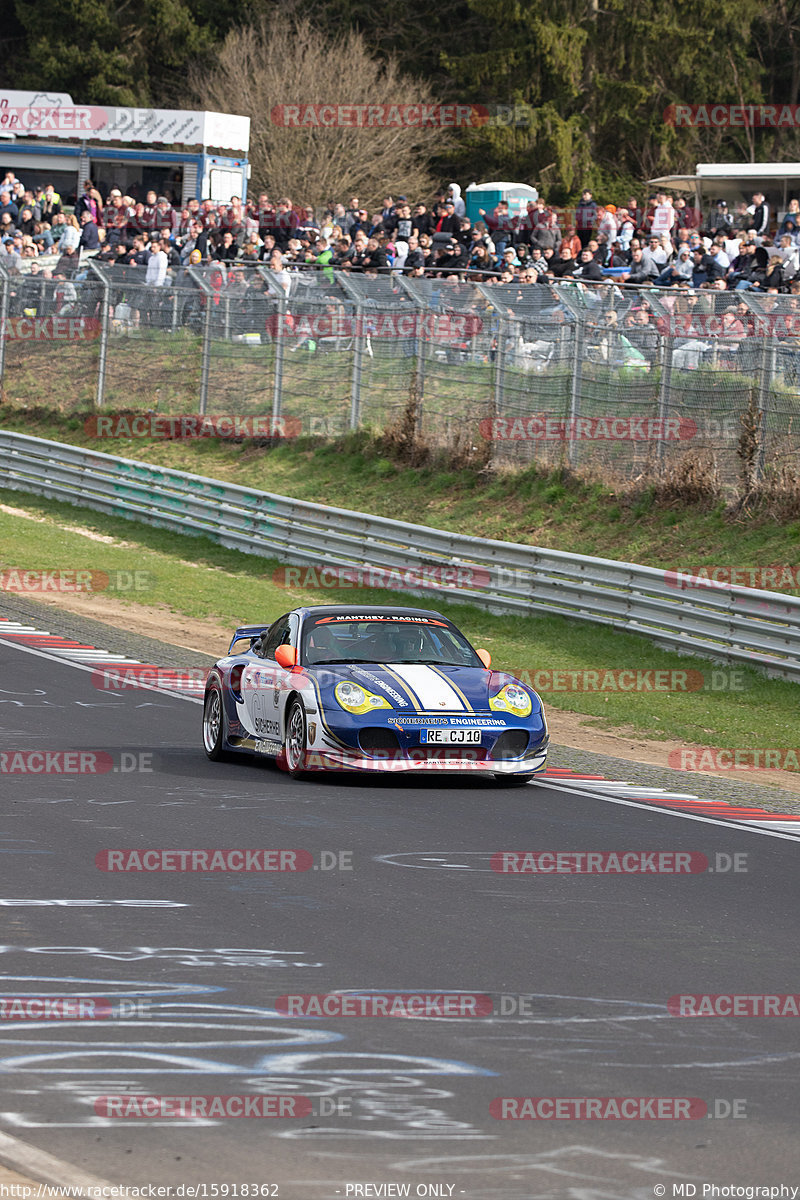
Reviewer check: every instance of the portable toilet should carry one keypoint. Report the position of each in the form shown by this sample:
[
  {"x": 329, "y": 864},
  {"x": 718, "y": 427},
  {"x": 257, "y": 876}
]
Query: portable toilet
[{"x": 486, "y": 196}]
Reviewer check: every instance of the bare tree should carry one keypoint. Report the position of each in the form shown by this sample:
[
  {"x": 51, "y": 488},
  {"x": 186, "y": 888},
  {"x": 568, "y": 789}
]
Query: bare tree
[{"x": 281, "y": 72}]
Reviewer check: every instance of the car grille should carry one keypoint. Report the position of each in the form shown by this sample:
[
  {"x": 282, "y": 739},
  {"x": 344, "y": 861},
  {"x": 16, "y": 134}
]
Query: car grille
[
  {"x": 512, "y": 743},
  {"x": 376, "y": 738}
]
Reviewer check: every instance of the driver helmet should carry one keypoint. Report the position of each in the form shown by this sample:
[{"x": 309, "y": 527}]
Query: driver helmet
[
  {"x": 323, "y": 643},
  {"x": 406, "y": 641}
]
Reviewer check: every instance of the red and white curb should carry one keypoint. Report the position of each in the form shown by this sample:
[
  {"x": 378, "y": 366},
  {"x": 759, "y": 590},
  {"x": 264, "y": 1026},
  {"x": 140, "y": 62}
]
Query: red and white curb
[
  {"x": 52, "y": 645},
  {"x": 679, "y": 802},
  {"x": 175, "y": 683}
]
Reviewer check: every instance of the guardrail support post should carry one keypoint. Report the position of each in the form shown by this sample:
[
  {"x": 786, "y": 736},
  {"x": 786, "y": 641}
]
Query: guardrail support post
[
  {"x": 665, "y": 390},
  {"x": 764, "y": 389},
  {"x": 5, "y": 287},
  {"x": 578, "y": 335},
  {"x": 105, "y": 317},
  {"x": 500, "y": 364},
  {"x": 358, "y": 355},
  {"x": 277, "y": 386}
]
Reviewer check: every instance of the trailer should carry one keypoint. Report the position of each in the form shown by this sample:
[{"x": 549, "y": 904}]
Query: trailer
[{"x": 47, "y": 138}]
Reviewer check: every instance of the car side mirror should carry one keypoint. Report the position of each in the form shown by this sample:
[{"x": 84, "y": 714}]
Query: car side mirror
[
  {"x": 485, "y": 658},
  {"x": 286, "y": 656}
]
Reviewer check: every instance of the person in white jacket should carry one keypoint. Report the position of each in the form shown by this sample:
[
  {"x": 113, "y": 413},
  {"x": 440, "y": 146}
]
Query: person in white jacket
[
  {"x": 454, "y": 194},
  {"x": 156, "y": 266}
]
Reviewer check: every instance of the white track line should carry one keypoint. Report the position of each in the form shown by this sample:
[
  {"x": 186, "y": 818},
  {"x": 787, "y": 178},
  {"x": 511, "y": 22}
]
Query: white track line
[
  {"x": 726, "y": 823},
  {"x": 44, "y": 1167},
  {"x": 79, "y": 666}
]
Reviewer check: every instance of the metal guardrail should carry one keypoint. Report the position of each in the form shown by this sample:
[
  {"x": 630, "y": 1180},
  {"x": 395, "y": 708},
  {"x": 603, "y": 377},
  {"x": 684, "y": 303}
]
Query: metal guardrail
[{"x": 723, "y": 622}]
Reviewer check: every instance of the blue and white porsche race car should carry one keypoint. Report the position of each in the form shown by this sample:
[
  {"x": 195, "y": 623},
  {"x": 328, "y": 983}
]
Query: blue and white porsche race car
[{"x": 371, "y": 689}]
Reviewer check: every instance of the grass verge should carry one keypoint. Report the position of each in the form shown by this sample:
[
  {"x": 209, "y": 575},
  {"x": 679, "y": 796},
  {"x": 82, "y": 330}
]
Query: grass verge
[
  {"x": 536, "y": 506},
  {"x": 199, "y": 579}
]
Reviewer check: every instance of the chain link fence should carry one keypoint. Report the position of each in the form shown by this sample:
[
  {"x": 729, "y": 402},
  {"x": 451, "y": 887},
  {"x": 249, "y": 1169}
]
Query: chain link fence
[{"x": 592, "y": 375}]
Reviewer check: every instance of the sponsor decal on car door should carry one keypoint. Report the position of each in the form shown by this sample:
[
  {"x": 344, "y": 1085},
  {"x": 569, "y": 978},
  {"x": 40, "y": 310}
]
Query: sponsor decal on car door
[{"x": 261, "y": 692}]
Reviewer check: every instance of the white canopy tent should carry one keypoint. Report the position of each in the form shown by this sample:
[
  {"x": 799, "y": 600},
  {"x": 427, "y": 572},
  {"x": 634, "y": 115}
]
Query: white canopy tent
[{"x": 737, "y": 181}]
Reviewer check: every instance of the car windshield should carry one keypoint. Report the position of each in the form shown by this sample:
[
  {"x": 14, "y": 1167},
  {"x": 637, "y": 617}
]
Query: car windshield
[{"x": 385, "y": 639}]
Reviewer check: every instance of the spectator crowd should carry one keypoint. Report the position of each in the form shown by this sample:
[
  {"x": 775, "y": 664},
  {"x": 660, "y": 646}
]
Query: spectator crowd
[{"x": 663, "y": 244}]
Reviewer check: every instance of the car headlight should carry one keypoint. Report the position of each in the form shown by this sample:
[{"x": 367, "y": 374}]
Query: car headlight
[
  {"x": 357, "y": 699},
  {"x": 512, "y": 698}
]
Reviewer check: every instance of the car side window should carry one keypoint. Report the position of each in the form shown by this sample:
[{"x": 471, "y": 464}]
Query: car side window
[{"x": 277, "y": 634}]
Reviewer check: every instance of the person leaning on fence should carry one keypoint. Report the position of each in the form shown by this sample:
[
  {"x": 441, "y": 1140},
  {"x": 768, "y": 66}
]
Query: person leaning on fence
[{"x": 322, "y": 257}]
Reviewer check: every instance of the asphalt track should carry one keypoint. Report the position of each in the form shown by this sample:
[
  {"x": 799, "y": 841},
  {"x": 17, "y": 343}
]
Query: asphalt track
[{"x": 404, "y": 1101}]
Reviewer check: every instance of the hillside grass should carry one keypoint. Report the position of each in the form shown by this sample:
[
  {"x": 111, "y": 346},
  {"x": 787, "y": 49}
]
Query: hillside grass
[{"x": 535, "y": 506}]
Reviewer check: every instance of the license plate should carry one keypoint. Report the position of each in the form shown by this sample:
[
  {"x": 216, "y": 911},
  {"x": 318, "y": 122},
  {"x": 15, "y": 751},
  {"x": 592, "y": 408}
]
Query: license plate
[{"x": 452, "y": 737}]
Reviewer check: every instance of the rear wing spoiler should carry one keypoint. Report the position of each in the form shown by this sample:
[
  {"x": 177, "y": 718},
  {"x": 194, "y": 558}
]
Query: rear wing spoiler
[{"x": 251, "y": 632}]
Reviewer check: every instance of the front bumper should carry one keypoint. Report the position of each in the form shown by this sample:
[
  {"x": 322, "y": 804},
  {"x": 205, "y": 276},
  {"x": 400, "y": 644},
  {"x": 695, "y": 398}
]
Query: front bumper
[{"x": 341, "y": 760}]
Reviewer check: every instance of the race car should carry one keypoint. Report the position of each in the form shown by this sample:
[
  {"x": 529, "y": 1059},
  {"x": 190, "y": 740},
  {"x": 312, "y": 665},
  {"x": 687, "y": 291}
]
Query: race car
[{"x": 384, "y": 689}]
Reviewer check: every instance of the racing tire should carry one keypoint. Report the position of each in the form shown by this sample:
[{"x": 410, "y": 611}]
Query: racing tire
[
  {"x": 295, "y": 741},
  {"x": 214, "y": 724},
  {"x": 513, "y": 781}
]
